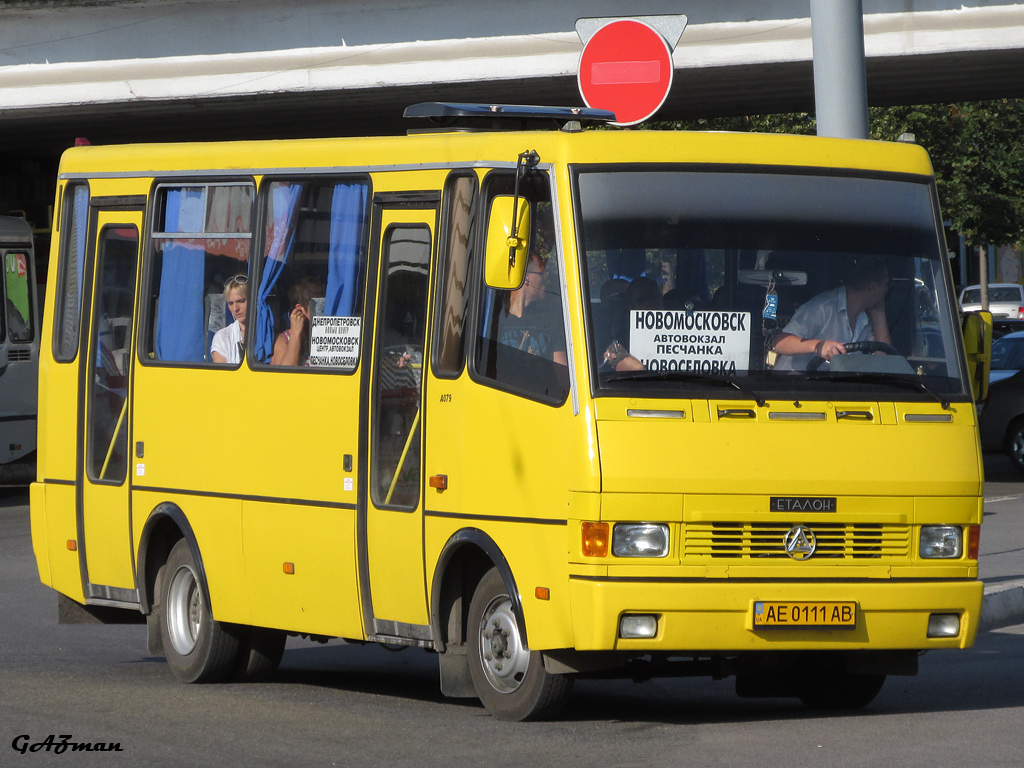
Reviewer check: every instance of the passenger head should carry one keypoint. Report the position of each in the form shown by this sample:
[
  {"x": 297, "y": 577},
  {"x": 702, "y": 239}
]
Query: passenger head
[
  {"x": 613, "y": 290},
  {"x": 236, "y": 294},
  {"x": 643, "y": 293},
  {"x": 303, "y": 291},
  {"x": 239, "y": 283}
]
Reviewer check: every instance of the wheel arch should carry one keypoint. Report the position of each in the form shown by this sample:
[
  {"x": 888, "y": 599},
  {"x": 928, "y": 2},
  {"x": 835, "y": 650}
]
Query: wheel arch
[
  {"x": 164, "y": 527},
  {"x": 467, "y": 555}
]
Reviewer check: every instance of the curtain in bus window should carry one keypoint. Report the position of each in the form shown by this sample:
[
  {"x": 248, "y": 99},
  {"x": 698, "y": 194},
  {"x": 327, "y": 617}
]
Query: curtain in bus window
[
  {"x": 180, "y": 334},
  {"x": 280, "y": 237},
  {"x": 348, "y": 207}
]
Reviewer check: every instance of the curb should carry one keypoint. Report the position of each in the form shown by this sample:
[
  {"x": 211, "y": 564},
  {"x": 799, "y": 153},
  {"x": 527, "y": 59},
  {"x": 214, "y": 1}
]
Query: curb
[{"x": 1003, "y": 605}]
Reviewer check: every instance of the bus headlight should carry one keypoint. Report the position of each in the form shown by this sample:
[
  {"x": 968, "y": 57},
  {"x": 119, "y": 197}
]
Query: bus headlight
[
  {"x": 640, "y": 540},
  {"x": 941, "y": 541}
]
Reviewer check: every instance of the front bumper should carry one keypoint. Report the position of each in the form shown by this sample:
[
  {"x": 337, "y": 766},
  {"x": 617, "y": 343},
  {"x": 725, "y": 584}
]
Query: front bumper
[{"x": 711, "y": 616}]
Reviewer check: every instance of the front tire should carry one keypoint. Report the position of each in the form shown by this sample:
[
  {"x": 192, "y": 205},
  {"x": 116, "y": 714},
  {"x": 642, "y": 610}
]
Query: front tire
[
  {"x": 509, "y": 678},
  {"x": 198, "y": 648}
]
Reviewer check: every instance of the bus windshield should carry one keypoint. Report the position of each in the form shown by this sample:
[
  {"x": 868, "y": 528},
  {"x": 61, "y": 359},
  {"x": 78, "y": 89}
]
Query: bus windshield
[{"x": 737, "y": 283}]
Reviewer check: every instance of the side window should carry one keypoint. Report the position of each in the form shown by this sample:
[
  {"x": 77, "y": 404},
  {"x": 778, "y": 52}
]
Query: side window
[
  {"x": 68, "y": 313},
  {"x": 520, "y": 344},
  {"x": 453, "y": 293},
  {"x": 18, "y": 297},
  {"x": 308, "y": 305},
  {"x": 199, "y": 283},
  {"x": 107, "y": 445},
  {"x": 395, "y": 465}
]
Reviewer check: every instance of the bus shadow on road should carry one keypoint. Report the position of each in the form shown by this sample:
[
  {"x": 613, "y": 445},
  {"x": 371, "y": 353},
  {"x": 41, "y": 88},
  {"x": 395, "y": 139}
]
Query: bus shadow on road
[{"x": 988, "y": 676}]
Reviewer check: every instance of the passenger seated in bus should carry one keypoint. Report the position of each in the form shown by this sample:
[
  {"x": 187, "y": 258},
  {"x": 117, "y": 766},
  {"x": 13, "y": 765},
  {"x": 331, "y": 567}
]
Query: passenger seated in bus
[
  {"x": 228, "y": 343},
  {"x": 822, "y": 326},
  {"x": 531, "y": 321},
  {"x": 292, "y": 344}
]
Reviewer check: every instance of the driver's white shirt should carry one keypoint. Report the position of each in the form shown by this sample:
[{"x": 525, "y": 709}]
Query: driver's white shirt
[{"x": 824, "y": 317}]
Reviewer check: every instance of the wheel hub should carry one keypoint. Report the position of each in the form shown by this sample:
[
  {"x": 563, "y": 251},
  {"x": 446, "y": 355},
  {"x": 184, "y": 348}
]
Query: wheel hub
[{"x": 505, "y": 659}]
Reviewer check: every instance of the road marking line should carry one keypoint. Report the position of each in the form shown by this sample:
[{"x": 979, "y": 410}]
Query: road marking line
[{"x": 1002, "y": 498}]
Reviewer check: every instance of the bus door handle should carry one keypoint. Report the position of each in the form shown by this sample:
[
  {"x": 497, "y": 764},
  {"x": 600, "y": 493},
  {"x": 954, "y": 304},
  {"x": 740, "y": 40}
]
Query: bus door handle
[
  {"x": 736, "y": 413},
  {"x": 858, "y": 415}
]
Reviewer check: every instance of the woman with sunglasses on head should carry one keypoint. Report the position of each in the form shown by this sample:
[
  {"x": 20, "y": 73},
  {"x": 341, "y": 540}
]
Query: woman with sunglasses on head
[{"x": 228, "y": 342}]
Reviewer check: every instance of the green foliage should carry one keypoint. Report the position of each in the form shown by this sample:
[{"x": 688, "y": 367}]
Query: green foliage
[{"x": 977, "y": 149}]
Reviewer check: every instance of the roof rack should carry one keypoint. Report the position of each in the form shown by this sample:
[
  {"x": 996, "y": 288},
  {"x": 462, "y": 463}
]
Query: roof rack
[{"x": 448, "y": 116}]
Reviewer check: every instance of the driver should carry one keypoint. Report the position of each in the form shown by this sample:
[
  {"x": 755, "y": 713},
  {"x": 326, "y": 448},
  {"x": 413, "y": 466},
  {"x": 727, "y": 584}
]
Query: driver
[{"x": 823, "y": 326}]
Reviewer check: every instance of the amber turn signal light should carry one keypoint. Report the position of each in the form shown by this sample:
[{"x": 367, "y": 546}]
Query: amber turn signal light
[
  {"x": 973, "y": 541},
  {"x": 595, "y": 539}
]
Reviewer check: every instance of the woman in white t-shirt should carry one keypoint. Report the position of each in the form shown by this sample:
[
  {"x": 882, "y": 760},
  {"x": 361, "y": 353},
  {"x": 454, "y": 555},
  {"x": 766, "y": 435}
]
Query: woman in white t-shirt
[{"x": 228, "y": 342}]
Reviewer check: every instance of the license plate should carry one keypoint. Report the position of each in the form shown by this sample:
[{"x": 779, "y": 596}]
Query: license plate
[{"x": 779, "y": 614}]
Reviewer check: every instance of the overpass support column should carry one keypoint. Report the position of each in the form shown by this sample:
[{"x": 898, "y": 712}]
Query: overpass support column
[{"x": 840, "y": 82}]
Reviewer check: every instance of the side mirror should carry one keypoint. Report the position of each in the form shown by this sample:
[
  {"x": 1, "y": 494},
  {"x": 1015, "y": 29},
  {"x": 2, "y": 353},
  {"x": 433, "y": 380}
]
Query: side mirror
[
  {"x": 978, "y": 346},
  {"x": 508, "y": 242}
]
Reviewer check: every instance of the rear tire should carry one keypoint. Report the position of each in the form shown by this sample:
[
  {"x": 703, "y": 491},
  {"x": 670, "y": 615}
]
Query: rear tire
[
  {"x": 509, "y": 678},
  {"x": 260, "y": 654},
  {"x": 198, "y": 648}
]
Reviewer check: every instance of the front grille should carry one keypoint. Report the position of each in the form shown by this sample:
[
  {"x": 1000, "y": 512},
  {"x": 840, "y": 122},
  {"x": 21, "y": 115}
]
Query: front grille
[
  {"x": 755, "y": 541},
  {"x": 19, "y": 355}
]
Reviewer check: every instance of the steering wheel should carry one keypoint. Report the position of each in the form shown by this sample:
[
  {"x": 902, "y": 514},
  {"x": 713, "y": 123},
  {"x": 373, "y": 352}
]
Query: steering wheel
[
  {"x": 870, "y": 347},
  {"x": 854, "y": 347}
]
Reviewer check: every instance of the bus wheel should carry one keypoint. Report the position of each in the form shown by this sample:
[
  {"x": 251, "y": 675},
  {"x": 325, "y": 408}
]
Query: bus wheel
[
  {"x": 837, "y": 689},
  {"x": 260, "y": 654},
  {"x": 198, "y": 649},
  {"x": 510, "y": 680}
]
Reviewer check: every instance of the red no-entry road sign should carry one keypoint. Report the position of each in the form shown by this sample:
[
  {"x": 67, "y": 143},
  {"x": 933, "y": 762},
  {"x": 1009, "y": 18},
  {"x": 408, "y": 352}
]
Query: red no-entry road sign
[{"x": 626, "y": 67}]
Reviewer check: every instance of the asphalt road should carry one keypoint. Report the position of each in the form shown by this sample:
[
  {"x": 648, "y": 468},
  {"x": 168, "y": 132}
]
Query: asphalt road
[{"x": 349, "y": 705}]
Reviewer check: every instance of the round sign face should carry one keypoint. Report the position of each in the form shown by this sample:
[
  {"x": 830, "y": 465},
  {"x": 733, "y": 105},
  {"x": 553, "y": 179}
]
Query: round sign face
[{"x": 626, "y": 67}]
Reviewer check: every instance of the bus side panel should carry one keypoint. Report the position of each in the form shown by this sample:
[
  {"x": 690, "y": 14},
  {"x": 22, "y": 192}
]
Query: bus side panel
[
  {"x": 216, "y": 524},
  {"x": 58, "y": 401},
  {"x": 53, "y": 527},
  {"x": 300, "y": 568},
  {"x": 515, "y": 465}
]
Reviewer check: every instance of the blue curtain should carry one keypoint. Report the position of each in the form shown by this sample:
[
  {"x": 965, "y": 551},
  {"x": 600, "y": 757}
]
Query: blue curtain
[
  {"x": 180, "y": 335},
  {"x": 348, "y": 210},
  {"x": 284, "y": 203}
]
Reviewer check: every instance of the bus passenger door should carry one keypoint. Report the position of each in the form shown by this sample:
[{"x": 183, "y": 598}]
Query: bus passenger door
[
  {"x": 105, "y": 379},
  {"x": 393, "y": 580}
]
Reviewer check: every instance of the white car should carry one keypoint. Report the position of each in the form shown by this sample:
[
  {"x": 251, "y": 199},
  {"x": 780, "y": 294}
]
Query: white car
[{"x": 1005, "y": 300}]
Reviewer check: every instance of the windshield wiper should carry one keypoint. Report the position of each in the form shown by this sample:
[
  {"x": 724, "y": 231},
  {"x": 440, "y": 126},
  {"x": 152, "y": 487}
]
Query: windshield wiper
[
  {"x": 881, "y": 378},
  {"x": 685, "y": 376}
]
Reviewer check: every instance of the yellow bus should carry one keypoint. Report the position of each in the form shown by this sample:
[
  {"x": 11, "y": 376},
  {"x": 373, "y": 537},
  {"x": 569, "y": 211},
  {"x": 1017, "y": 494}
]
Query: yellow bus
[{"x": 519, "y": 392}]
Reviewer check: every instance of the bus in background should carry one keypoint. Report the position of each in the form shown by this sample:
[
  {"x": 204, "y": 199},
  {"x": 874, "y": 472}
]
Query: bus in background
[
  {"x": 545, "y": 401},
  {"x": 19, "y": 353}
]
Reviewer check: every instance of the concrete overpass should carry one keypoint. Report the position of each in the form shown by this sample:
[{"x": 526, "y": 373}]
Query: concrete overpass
[{"x": 144, "y": 70}]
